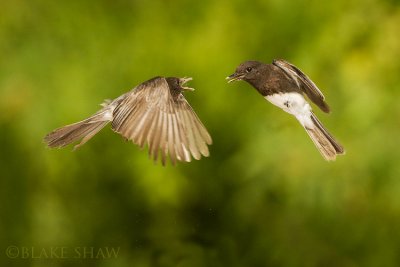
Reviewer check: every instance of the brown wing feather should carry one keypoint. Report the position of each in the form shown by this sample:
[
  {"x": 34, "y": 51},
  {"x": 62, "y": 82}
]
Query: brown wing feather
[
  {"x": 150, "y": 114},
  {"x": 304, "y": 83}
]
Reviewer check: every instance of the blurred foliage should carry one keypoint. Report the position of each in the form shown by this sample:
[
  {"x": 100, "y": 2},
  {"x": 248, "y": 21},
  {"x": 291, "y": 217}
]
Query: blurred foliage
[{"x": 265, "y": 197}]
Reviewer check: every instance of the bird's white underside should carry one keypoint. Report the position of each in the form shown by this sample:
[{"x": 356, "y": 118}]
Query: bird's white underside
[
  {"x": 109, "y": 115},
  {"x": 295, "y": 104}
]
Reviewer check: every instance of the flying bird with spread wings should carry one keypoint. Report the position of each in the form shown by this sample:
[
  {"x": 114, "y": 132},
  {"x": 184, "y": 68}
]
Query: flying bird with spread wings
[
  {"x": 284, "y": 85},
  {"x": 154, "y": 113}
]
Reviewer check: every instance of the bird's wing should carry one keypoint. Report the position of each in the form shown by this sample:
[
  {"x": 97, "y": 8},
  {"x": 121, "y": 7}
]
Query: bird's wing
[
  {"x": 304, "y": 83},
  {"x": 150, "y": 114}
]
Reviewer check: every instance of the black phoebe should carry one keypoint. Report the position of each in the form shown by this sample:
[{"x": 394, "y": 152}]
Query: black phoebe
[
  {"x": 154, "y": 112},
  {"x": 284, "y": 85}
]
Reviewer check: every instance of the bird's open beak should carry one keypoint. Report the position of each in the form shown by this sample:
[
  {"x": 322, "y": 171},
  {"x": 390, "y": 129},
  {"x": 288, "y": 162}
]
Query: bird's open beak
[
  {"x": 184, "y": 80},
  {"x": 235, "y": 77}
]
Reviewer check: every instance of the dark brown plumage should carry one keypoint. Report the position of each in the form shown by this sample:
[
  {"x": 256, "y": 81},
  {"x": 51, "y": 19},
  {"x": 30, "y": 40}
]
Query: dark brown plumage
[
  {"x": 154, "y": 113},
  {"x": 284, "y": 85}
]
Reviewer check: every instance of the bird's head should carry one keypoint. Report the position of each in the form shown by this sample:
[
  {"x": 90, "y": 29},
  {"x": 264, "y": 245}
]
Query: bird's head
[
  {"x": 177, "y": 84},
  {"x": 246, "y": 71}
]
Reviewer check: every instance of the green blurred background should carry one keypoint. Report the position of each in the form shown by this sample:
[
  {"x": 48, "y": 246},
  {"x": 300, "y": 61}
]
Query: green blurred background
[{"x": 265, "y": 197}]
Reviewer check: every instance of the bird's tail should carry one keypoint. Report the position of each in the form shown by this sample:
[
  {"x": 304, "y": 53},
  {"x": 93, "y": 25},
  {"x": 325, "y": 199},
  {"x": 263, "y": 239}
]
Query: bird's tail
[
  {"x": 83, "y": 130},
  {"x": 324, "y": 141}
]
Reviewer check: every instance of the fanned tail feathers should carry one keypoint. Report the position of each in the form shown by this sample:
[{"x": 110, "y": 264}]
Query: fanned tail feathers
[
  {"x": 323, "y": 140},
  {"x": 83, "y": 130}
]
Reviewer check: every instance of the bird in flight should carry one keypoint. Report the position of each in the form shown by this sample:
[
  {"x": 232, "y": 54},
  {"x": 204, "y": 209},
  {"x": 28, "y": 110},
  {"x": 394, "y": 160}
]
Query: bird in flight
[
  {"x": 284, "y": 85},
  {"x": 154, "y": 113}
]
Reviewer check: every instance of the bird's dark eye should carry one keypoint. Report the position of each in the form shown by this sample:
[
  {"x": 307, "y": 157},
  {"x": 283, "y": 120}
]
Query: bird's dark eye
[{"x": 249, "y": 69}]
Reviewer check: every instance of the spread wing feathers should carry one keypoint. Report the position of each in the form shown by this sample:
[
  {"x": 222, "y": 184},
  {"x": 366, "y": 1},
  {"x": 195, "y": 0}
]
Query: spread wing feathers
[
  {"x": 169, "y": 126},
  {"x": 304, "y": 83}
]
